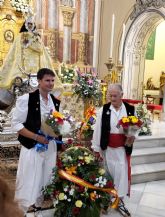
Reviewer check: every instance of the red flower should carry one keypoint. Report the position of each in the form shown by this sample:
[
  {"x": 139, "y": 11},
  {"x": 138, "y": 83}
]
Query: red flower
[
  {"x": 55, "y": 193},
  {"x": 80, "y": 189},
  {"x": 59, "y": 163},
  {"x": 109, "y": 184},
  {"x": 93, "y": 177},
  {"x": 75, "y": 210},
  {"x": 70, "y": 141}
]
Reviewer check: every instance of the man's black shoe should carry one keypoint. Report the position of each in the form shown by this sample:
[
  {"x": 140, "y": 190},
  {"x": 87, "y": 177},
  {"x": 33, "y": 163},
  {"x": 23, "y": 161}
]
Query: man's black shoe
[{"x": 123, "y": 210}]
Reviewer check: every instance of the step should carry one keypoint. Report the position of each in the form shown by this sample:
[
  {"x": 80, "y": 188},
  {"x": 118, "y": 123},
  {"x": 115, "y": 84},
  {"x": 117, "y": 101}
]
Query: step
[
  {"x": 148, "y": 172},
  {"x": 148, "y": 155},
  {"x": 149, "y": 141},
  {"x": 9, "y": 143}
]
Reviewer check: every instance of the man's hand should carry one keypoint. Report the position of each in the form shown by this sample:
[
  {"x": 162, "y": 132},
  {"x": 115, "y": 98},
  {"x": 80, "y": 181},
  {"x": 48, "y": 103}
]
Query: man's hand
[
  {"x": 98, "y": 156},
  {"x": 130, "y": 140}
]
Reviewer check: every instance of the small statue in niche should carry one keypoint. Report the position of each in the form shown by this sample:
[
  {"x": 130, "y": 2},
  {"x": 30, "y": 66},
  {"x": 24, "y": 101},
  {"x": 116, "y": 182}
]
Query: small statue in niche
[
  {"x": 162, "y": 86},
  {"x": 150, "y": 85}
]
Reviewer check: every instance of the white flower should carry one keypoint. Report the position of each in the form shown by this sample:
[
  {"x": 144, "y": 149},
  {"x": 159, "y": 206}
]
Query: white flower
[{"x": 144, "y": 129}]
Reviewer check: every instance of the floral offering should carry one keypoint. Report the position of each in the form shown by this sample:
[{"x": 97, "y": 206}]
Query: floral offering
[
  {"x": 67, "y": 74},
  {"x": 87, "y": 85},
  {"x": 130, "y": 124},
  {"x": 80, "y": 187},
  {"x": 55, "y": 124},
  {"x": 145, "y": 116},
  {"x": 20, "y": 5},
  {"x": 86, "y": 129}
]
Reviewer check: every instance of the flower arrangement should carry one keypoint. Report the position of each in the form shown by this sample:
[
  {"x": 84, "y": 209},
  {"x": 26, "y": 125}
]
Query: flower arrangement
[
  {"x": 145, "y": 117},
  {"x": 86, "y": 129},
  {"x": 87, "y": 85},
  {"x": 67, "y": 74},
  {"x": 54, "y": 124},
  {"x": 80, "y": 187},
  {"x": 130, "y": 125},
  {"x": 20, "y": 5}
]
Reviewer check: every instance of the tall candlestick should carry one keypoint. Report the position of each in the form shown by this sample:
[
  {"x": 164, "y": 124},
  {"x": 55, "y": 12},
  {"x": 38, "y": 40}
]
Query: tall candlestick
[
  {"x": 122, "y": 43},
  {"x": 112, "y": 36}
]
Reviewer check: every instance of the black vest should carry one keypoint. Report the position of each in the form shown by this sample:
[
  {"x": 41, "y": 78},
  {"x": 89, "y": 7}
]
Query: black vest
[
  {"x": 105, "y": 124},
  {"x": 33, "y": 120}
]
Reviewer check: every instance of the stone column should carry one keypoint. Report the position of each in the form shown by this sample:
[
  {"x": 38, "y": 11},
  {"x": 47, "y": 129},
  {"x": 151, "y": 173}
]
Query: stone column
[
  {"x": 52, "y": 34},
  {"x": 83, "y": 36},
  {"x": 68, "y": 14},
  {"x": 96, "y": 32}
]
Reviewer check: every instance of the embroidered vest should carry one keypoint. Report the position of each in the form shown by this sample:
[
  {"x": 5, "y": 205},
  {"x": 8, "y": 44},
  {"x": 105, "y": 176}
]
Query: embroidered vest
[
  {"x": 105, "y": 124},
  {"x": 33, "y": 121}
]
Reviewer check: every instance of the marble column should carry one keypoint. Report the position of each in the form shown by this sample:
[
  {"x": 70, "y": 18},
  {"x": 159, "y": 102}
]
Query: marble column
[
  {"x": 98, "y": 5},
  {"x": 68, "y": 14},
  {"x": 83, "y": 36},
  {"x": 52, "y": 34}
]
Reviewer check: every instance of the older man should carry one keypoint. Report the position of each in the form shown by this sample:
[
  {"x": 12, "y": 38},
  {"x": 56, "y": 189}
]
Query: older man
[{"x": 110, "y": 141}]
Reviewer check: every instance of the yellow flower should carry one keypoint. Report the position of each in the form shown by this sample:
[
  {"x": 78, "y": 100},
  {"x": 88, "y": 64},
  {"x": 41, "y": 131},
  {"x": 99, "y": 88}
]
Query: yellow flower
[
  {"x": 61, "y": 196},
  {"x": 79, "y": 203},
  {"x": 71, "y": 170},
  {"x": 125, "y": 120},
  {"x": 57, "y": 115},
  {"x": 101, "y": 171},
  {"x": 134, "y": 120}
]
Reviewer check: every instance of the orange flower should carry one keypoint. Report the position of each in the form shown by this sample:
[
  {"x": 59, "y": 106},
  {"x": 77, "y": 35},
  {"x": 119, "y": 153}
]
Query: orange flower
[
  {"x": 71, "y": 170},
  {"x": 57, "y": 115},
  {"x": 92, "y": 196}
]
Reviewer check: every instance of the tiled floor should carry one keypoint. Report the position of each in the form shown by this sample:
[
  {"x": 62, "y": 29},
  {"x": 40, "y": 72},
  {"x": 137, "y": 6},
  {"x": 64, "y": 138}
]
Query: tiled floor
[{"x": 147, "y": 200}]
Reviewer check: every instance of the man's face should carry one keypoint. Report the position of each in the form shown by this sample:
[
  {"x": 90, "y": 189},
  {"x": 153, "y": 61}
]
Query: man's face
[
  {"x": 115, "y": 97},
  {"x": 46, "y": 83}
]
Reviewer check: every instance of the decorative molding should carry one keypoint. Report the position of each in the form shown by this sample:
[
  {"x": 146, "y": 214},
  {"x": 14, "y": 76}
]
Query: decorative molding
[
  {"x": 142, "y": 5},
  {"x": 68, "y": 14},
  {"x": 82, "y": 49},
  {"x": 52, "y": 43}
]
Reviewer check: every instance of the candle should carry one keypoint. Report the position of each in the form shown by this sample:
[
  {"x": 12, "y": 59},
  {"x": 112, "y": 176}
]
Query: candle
[
  {"x": 122, "y": 43},
  {"x": 112, "y": 36}
]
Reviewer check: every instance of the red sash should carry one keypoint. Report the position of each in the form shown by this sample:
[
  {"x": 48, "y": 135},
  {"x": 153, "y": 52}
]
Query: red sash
[{"x": 116, "y": 141}]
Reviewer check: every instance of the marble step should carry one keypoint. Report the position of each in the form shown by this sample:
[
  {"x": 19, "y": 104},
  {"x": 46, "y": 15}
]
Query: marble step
[
  {"x": 149, "y": 141},
  {"x": 148, "y": 155},
  {"x": 148, "y": 172}
]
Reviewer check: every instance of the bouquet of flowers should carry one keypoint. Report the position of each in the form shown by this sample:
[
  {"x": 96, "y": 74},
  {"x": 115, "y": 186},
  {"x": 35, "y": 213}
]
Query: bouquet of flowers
[
  {"x": 20, "y": 5},
  {"x": 67, "y": 74},
  {"x": 86, "y": 129},
  {"x": 87, "y": 85},
  {"x": 145, "y": 116},
  {"x": 54, "y": 124},
  {"x": 80, "y": 187},
  {"x": 130, "y": 124}
]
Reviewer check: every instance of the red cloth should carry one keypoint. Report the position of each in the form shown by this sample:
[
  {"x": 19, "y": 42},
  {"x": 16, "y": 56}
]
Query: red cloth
[
  {"x": 152, "y": 107},
  {"x": 116, "y": 140},
  {"x": 132, "y": 101}
]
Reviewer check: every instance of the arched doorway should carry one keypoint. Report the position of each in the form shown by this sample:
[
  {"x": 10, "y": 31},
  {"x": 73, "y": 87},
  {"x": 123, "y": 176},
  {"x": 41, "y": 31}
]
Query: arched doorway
[{"x": 138, "y": 32}]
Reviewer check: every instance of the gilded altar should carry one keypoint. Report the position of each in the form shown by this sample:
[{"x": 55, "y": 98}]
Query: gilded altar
[{"x": 10, "y": 23}]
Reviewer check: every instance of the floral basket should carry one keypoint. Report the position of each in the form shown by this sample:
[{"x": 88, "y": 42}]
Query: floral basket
[{"x": 80, "y": 186}]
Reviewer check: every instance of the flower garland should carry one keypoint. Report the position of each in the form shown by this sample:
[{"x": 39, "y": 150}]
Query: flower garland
[
  {"x": 145, "y": 117},
  {"x": 18, "y": 5}
]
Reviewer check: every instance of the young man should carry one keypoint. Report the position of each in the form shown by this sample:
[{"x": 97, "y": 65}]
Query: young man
[
  {"x": 34, "y": 168},
  {"x": 109, "y": 141}
]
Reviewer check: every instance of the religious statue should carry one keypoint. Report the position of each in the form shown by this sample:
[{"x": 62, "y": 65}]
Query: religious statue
[
  {"x": 162, "y": 86},
  {"x": 27, "y": 52},
  {"x": 150, "y": 85}
]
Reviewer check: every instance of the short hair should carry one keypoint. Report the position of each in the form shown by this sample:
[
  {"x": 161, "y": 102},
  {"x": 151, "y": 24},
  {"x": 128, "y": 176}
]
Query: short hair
[
  {"x": 44, "y": 71},
  {"x": 115, "y": 86}
]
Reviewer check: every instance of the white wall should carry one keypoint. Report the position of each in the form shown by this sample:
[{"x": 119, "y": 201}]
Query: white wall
[{"x": 154, "y": 67}]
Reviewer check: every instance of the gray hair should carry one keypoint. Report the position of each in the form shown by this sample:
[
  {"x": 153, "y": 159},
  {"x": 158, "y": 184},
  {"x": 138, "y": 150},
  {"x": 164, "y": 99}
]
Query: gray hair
[{"x": 116, "y": 86}]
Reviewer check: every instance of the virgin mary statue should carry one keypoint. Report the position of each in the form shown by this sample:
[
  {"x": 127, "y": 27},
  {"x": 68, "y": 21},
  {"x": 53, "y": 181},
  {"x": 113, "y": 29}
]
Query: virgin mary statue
[{"x": 28, "y": 53}]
